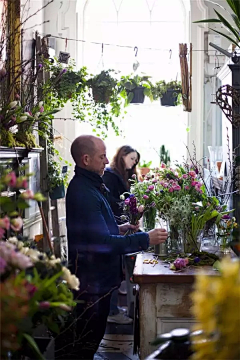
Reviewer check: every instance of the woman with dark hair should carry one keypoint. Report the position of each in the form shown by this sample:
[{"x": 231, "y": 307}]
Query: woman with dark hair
[{"x": 116, "y": 177}]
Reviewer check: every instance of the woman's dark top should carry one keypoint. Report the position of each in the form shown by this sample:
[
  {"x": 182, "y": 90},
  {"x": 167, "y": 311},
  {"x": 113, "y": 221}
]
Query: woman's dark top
[{"x": 116, "y": 185}]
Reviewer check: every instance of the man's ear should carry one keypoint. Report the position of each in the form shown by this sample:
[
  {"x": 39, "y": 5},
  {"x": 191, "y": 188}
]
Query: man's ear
[{"x": 86, "y": 159}]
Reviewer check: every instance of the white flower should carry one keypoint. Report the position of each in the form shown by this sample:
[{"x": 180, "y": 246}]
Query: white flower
[
  {"x": 20, "y": 245},
  {"x": 40, "y": 104},
  {"x": 72, "y": 280},
  {"x": 24, "y": 250},
  {"x": 33, "y": 254},
  {"x": 54, "y": 262},
  {"x": 37, "y": 115},
  {"x": 27, "y": 113},
  {"x": 13, "y": 104},
  {"x": 13, "y": 240},
  {"x": 23, "y": 118},
  {"x": 122, "y": 197}
]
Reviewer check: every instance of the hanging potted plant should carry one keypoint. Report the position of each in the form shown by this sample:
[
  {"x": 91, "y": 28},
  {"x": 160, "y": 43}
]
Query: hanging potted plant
[
  {"x": 65, "y": 82},
  {"x": 57, "y": 180},
  {"x": 103, "y": 86},
  {"x": 136, "y": 88},
  {"x": 169, "y": 93}
]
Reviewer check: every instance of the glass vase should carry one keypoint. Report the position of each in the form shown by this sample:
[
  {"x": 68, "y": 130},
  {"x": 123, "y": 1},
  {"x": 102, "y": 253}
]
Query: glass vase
[
  {"x": 190, "y": 244},
  {"x": 149, "y": 219},
  {"x": 175, "y": 240}
]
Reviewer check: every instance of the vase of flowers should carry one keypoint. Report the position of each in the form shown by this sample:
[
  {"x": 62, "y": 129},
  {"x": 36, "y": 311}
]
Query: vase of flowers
[{"x": 149, "y": 219}]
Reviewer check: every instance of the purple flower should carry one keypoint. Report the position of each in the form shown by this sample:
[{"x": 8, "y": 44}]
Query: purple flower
[
  {"x": 180, "y": 263},
  {"x": 151, "y": 187},
  {"x": 153, "y": 204},
  {"x": 196, "y": 260},
  {"x": 3, "y": 265},
  {"x": 127, "y": 201},
  {"x": 40, "y": 66},
  {"x": 226, "y": 217},
  {"x": 145, "y": 197},
  {"x": 63, "y": 71},
  {"x": 44, "y": 305}
]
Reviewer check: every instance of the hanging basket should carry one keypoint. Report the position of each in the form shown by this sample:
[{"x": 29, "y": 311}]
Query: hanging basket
[
  {"x": 101, "y": 95},
  {"x": 57, "y": 193},
  {"x": 138, "y": 95},
  {"x": 170, "y": 98}
]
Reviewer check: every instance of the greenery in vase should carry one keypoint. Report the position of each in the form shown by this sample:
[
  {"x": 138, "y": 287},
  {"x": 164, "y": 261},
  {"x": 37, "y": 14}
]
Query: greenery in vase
[
  {"x": 161, "y": 88},
  {"x": 225, "y": 229},
  {"x": 131, "y": 82},
  {"x": 164, "y": 156},
  {"x": 233, "y": 27}
]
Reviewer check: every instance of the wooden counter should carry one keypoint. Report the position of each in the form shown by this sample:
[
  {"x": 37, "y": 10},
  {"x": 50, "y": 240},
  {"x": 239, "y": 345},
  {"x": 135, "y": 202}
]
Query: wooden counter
[{"x": 164, "y": 299}]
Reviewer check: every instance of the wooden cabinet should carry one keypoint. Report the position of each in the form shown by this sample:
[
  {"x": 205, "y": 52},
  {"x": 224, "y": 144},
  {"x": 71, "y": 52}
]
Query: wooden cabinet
[{"x": 164, "y": 299}]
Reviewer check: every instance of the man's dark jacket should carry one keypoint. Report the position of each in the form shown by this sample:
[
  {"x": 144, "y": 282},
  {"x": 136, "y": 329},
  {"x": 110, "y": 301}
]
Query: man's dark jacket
[{"x": 94, "y": 244}]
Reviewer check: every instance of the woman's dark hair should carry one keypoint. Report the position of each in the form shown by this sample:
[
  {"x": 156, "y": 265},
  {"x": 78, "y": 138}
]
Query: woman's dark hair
[{"x": 118, "y": 163}]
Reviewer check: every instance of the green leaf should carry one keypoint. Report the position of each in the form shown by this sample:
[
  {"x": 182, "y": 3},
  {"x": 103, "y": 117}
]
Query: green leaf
[
  {"x": 228, "y": 25},
  {"x": 235, "y": 6},
  {"x": 33, "y": 346},
  {"x": 130, "y": 97},
  {"x": 207, "y": 21},
  {"x": 22, "y": 205}
]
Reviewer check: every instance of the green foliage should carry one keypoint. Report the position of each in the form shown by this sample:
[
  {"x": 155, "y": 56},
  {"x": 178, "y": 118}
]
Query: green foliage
[
  {"x": 164, "y": 155},
  {"x": 162, "y": 86},
  {"x": 145, "y": 164},
  {"x": 55, "y": 176},
  {"x": 131, "y": 82},
  {"x": 234, "y": 27}
]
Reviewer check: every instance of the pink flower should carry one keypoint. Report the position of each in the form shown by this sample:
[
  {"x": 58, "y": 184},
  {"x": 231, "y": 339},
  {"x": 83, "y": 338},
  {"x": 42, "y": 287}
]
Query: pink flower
[
  {"x": 165, "y": 185},
  {"x": 154, "y": 181},
  {"x": 10, "y": 179},
  {"x": 147, "y": 191},
  {"x": 20, "y": 260},
  {"x": 171, "y": 189},
  {"x": 187, "y": 187},
  {"x": 185, "y": 176},
  {"x": 127, "y": 201},
  {"x": 177, "y": 187},
  {"x": 44, "y": 305},
  {"x": 5, "y": 223},
  {"x": 31, "y": 289},
  {"x": 180, "y": 263},
  {"x": 2, "y": 231},
  {"x": 17, "y": 223},
  {"x": 134, "y": 176},
  {"x": 151, "y": 187},
  {"x": 194, "y": 183},
  {"x": 140, "y": 208},
  {"x": 41, "y": 110},
  {"x": 145, "y": 197},
  {"x": 163, "y": 166},
  {"x": 192, "y": 174},
  {"x": 28, "y": 194}
]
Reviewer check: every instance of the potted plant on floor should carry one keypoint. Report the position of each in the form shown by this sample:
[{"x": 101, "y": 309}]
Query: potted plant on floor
[
  {"x": 136, "y": 88},
  {"x": 169, "y": 93}
]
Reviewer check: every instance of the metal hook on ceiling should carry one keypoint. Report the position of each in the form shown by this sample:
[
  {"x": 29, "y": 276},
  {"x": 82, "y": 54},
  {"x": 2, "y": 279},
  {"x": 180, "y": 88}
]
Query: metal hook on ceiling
[
  {"x": 136, "y": 51},
  {"x": 170, "y": 54}
]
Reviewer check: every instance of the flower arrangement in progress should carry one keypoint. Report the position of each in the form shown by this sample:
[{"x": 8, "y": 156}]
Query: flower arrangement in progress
[{"x": 35, "y": 287}]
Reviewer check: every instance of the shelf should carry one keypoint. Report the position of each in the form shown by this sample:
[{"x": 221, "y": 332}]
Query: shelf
[{"x": 18, "y": 152}]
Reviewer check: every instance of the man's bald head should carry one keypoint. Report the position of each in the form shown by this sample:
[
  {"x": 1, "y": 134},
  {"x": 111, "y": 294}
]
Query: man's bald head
[{"x": 87, "y": 150}]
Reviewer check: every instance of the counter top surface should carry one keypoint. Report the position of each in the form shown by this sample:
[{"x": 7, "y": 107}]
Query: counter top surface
[{"x": 160, "y": 272}]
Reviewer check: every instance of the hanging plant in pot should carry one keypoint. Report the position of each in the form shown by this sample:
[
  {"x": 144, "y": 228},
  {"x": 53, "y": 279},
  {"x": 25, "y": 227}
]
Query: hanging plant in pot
[
  {"x": 169, "y": 93},
  {"x": 136, "y": 88},
  {"x": 103, "y": 86},
  {"x": 57, "y": 180}
]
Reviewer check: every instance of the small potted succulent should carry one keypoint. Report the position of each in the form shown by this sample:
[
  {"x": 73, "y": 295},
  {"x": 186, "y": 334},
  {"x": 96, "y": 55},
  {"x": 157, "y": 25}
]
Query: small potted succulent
[
  {"x": 169, "y": 93},
  {"x": 136, "y": 88}
]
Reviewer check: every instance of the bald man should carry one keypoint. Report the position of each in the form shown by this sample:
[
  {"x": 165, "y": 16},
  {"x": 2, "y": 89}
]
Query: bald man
[{"x": 96, "y": 243}]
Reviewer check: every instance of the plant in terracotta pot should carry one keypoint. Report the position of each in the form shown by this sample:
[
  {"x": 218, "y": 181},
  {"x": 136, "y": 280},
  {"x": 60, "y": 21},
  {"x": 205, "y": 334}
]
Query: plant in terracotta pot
[
  {"x": 136, "y": 87},
  {"x": 144, "y": 167},
  {"x": 169, "y": 93}
]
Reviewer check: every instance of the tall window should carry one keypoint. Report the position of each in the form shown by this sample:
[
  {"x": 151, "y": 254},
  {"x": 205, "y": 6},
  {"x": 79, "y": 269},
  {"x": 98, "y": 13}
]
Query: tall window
[{"x": 156, "y": 24}]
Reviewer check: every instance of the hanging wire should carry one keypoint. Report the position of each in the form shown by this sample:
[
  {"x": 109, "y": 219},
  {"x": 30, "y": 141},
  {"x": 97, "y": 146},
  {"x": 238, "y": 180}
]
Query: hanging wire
[{"x": 109, "y": 44}]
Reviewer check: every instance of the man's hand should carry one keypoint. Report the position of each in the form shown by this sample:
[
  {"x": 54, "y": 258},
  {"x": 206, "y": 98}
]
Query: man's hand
[
  {"x": 157, "y": 236},
  {"x": 125, "y": 227}
]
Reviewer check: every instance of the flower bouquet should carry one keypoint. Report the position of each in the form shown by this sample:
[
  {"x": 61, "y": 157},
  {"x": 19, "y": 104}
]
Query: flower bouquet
[{"x": 35, "y": 288}]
